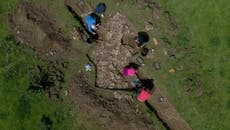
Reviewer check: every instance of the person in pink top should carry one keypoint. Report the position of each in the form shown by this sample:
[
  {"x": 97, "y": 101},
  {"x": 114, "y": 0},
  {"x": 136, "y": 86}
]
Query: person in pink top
[
  {"x": 144, "y": 92},
  {"x": 129, "y": 71},
  {"x": 143, "y": 95}
]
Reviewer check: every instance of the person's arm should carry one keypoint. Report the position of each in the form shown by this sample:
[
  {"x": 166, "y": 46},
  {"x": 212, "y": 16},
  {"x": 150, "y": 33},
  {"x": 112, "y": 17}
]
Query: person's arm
[{"x": 90, "y": 29}]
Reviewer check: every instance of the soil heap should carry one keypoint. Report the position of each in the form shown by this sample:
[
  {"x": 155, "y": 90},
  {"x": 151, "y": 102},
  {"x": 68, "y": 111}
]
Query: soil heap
[
  {"x": 109, "y": 55},
  {"x": 35, "y": 27},
  {"x": 112, "y": 113}
]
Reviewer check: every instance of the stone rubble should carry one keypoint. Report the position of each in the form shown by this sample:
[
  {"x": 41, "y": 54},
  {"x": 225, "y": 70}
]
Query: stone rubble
[{"x": 110, "y": 56}]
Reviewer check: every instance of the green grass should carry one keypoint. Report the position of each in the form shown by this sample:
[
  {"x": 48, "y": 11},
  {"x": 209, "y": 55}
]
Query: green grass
[
  {"x": 209, "y": 35},
  {"x": 5, "y": 7},
  {"x": 21, "y": 109}
]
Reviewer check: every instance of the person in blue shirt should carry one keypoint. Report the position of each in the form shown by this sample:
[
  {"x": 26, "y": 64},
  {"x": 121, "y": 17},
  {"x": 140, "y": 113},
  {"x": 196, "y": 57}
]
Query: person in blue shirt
[{"x": 91, "y": 23}]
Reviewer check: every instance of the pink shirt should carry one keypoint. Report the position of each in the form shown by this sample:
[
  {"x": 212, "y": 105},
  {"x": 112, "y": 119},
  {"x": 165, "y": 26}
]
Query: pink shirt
[
  {"x": 129, "y": 71},
  {"x": 143, "y": 95}
]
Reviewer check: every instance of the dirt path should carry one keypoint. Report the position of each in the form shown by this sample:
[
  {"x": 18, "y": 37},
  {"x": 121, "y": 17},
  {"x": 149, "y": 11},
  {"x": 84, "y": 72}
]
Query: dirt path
[
  {"x": 79, "y": 7},
  {"x": 162, "y": 107},
  {"x": 112, "y": 113},
  {"x": 35, "y": 27},
  {"x": 166, "y": 111}
]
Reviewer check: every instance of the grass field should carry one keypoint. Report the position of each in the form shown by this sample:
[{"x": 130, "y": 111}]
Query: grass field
[
  {"x": 208, "y": 64},
  {"x": 199, "y": 88}
]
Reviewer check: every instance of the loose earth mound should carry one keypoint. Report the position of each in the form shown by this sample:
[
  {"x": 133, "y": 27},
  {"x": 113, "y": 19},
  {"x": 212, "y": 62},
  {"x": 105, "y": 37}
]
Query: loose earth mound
[
  {"x": 113, "y": 113},
  {"x": 35, "y": 27}
]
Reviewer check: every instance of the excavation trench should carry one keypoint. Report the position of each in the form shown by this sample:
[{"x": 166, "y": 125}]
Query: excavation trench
[
  {"x": 110, "y": 55},
  {"x": 34, "y": 26}
]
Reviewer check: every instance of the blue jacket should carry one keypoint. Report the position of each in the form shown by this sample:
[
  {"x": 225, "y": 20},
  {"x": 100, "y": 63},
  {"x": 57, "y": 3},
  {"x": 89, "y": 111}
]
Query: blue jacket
[{"x": 89, "y": 20}]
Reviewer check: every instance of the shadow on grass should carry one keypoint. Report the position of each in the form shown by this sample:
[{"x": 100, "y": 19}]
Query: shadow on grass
[{"x": 155, "y": 112}]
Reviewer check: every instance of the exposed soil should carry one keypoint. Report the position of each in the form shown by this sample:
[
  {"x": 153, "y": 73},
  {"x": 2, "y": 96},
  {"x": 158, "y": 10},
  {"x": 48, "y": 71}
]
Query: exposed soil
[
  {"x": 171, "y": 21},
  {"x": 79, "y": 7},
  {"x": 166, "y": 111},
  {"x": 113, "y": 114},
  {"x": 35, "y": 27},
  {"x": 156, "y": 11}
]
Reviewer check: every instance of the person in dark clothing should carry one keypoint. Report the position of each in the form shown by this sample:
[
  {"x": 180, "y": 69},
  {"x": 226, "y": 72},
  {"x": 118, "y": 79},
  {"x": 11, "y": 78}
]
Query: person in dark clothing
[
  {"x": 147, "y": 84},
  {"x": 133, "y": 65},
  {"x": 136, "y": 41},
  {"x": 142, "y": 38}
]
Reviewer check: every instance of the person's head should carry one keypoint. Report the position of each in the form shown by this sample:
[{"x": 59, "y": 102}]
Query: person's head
[
  {"x": 100, "y": 9},
  {"x": 142, "y": 38},
  {"x": 133, "y": 65},
  {"x": 148, "y": 84}
]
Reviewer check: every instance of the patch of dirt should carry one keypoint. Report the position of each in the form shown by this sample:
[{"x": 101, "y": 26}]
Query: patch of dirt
[
  {"x": 166, "y": 111},
  {"x": 171, "y": 21},
  {"x": 143, "y": 3},
  {"x": 34, "y": 26},
  {"x": 114, "y": 114},
  {"x": 110, "y": 56},
  {"x": 79, "y": 7},
  {"x": 156, "y": 11}
]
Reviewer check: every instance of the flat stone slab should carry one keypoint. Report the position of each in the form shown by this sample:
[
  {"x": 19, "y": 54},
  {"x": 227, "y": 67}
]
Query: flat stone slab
[{"x": 109, "y": 55}]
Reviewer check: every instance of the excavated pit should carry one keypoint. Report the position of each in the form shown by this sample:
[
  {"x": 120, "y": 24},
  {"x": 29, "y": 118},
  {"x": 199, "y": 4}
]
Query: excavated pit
[{"x": 110, "y": 56}]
